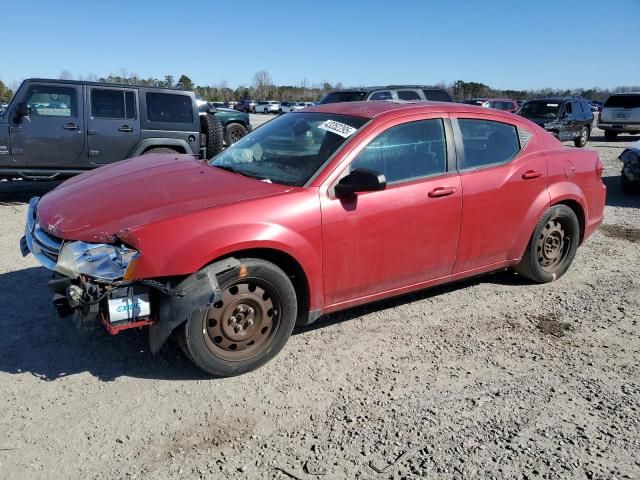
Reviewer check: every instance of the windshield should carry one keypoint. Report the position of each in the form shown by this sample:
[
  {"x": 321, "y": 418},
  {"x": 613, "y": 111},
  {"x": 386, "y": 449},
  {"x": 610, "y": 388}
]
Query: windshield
[
  {"x": 539, "y": 110},
  {"x": 290, "y": 148},
  {"x": 337, "y": 97}
]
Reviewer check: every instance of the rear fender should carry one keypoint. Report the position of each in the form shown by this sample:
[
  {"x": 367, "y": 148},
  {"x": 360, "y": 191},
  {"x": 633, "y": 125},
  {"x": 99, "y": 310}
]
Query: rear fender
[
  {"x": 537, "y": 209},
  {"x": 143, "y": 145}
]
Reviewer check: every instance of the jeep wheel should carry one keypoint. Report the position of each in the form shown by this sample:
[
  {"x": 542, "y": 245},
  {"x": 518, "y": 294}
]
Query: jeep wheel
[
  {"x": 234, "y": 132},
  {"x": 160, "y": 150},
  {"x": 552, "y": 246},
  {"x": 214, "y": 132},
  {"x": 581, "y": 141},
  {"x": 248, "y": 326},
  {"x": 610, "y": 135}
]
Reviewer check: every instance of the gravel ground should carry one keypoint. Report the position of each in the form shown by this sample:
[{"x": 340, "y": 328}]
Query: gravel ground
[{"x": 489, "y": 378}]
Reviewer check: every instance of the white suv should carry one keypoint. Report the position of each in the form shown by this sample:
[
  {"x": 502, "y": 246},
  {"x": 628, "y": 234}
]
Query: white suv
[
  {"x": 620, "y": 114},
  {"x": 268, "y": 106}
]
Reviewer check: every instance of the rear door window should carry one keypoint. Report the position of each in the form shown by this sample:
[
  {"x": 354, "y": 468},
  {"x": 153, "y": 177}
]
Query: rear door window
[
  {"x": 486, "y": 142},
  {"x": 114, "y": 104},
  {"x": 408, "y": 95},
  {"x": 170, "y": 108}
]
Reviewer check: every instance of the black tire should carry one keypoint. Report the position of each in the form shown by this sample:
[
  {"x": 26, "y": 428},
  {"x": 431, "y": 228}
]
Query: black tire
[
  {"x": 160, "y": 150},
  {"x": 249, "y": 326},
  {"x": 214, "y": 131},
  {"x": 610, "y": 135},
  {"x": 265, "y": 111},
  {"x": 552, "y": 246},
  {"x": 582, "y": 138},
  {"x": 234, "y": 132},
  {"x": 279, "y": 111},
  {"x": 627, "y": 186}
]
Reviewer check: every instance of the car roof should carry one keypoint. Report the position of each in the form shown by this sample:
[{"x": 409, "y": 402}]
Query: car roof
[
  {"x": 375, "y": 108},
  {"x": 499, "y": 99},
  {"x": 557, "y": 99},
  {"x": 104, "y": 84},
  {"x": 385, "y": 87}
]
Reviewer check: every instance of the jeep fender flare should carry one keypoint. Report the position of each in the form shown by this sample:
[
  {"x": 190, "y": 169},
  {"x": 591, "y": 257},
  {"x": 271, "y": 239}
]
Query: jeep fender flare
[{"x": 147, "y": 143}]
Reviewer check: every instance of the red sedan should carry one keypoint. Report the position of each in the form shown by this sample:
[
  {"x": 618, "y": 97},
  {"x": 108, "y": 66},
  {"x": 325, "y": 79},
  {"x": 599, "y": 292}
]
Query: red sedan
[{"x": 314, "y": 212}]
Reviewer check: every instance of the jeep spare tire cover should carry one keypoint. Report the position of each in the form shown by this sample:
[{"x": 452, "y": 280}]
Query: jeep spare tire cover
[{"x": 214, "y": 131}]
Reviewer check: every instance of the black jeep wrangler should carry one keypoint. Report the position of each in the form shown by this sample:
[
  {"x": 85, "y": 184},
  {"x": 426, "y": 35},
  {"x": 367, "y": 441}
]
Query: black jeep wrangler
[
  {"x": 567, "y": 118},
  {"x": 58, "y": 128}
]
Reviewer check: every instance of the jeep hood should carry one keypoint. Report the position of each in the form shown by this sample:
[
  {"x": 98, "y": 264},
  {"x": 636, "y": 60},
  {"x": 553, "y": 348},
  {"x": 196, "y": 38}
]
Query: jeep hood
[{"x": 99, "y": 204}]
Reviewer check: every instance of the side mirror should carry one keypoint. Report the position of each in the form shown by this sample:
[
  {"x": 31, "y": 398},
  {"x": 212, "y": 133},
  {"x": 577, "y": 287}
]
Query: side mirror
[
  {"x": 360, "y": 180},
  {"x": 22, "y": 110}
]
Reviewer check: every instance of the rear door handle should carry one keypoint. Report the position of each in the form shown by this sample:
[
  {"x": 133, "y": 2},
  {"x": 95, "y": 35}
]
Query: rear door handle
[
  {"x": 529, "y": 174},
  {"x": 125, "y": 128},
  {"x": 70, "y": 126},
  {"x": 442, "y": 192}
]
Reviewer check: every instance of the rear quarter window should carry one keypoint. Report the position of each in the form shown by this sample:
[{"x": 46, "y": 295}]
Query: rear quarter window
[
  {"x": 486, "y": 143},
  {"x": 169, "y": 108}
]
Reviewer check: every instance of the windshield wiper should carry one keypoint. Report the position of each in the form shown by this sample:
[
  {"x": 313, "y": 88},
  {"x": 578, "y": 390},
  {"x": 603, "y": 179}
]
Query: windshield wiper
[{"x": 229, "y": 168}]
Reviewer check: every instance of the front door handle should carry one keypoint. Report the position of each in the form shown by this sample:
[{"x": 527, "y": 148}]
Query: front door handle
[
  {"x": 530, "y": 174},
  {"x": 70, "y": 126},
  {"x": 442, "y": 192},
  {"x": 125, "y": 128}
]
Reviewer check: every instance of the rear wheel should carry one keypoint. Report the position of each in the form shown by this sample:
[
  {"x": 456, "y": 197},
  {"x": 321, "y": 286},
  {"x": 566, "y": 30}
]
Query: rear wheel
[
  {"x": 234, "y": 132},
  {"x": 582, "y": 139},
  {"x": 610, "y": 135},
  {"x": 248, "y": 326},
  {"x": 552, "y": 246}
]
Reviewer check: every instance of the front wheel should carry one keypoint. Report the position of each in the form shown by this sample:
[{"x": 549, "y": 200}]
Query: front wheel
[
  {"x": 234, "y": 132},
  {"x": 248, "y": 326},
  {"x": 581, "y": 141},
  {"x": 552, "y": 246}
]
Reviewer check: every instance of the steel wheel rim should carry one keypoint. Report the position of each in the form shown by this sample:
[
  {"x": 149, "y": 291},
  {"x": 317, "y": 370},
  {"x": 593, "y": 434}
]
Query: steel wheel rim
[
  {"x": 245, "y": 319},
  {"x": 583, "y": 135},
  {"x": 553, "y": 244},
  {"x": 235, "y": 135}
]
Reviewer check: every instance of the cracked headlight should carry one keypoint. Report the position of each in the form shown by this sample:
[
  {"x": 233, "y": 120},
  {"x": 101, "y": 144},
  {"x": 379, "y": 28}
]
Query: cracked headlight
[{"x": 98, "y": 260}]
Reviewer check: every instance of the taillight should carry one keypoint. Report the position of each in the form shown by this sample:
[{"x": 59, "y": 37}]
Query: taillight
[{"x": 599, "y": 167}]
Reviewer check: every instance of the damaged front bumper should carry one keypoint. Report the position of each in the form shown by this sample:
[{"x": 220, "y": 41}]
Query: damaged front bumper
[{"x": 96, "y": 284}]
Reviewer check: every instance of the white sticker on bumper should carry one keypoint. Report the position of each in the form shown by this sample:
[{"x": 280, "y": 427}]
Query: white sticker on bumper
[{"x": 128, "y": 308}]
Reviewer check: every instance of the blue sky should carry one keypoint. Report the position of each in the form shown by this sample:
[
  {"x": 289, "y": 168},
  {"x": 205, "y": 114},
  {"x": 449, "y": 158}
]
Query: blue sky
[{"x": 505, "y": 44}]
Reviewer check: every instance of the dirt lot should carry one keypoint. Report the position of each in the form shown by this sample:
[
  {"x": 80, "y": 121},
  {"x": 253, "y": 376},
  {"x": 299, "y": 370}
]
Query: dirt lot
[{"x": 490, "y": 378}]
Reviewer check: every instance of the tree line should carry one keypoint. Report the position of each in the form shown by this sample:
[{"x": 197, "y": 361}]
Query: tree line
[{"x": 262, "y": 87}]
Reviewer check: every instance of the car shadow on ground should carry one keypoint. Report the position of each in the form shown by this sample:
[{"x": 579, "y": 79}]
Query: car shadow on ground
[
  {"x": 38, "y": 342},
  {"x": 503, "y": 277},
  {"x": 16, "y": 192},
  {"x": 615, "y": 197},
  {"x": 35, "y": 340}
]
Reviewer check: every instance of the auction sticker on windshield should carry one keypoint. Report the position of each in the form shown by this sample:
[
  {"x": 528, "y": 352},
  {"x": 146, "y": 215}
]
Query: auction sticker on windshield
[{"x": 338, "y": 128}]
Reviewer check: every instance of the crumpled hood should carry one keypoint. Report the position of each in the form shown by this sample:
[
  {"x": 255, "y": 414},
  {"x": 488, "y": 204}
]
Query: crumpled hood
[{"x": 97, "y": 205}]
